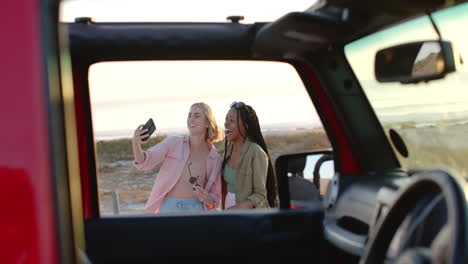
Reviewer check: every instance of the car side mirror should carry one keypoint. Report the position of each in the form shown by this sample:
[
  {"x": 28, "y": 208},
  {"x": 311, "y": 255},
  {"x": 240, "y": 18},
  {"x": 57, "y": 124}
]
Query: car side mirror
[
  {"x": 303, "y": 177},
  {"x": 416, "y": 61}
]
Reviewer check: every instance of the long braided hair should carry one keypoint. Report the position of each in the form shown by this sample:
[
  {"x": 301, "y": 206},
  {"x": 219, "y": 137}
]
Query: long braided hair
[{"x": 247, "y": 115}]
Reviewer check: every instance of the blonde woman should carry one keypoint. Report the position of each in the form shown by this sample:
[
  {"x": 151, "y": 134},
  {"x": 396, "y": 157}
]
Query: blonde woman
[{"x": 189, "y": 179}]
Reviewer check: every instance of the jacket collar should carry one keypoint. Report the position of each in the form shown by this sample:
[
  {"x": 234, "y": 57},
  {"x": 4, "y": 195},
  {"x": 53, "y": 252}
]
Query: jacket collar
[
  {"x": 244, "y": 149},
  {"x": 246, "y": 146}
]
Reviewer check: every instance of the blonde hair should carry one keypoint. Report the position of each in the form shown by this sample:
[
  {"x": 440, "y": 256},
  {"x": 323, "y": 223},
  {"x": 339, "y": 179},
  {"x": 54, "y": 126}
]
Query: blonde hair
[{"x": 213, "y": 133}]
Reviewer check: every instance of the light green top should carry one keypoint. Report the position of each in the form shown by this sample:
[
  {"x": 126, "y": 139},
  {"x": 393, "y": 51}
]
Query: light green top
[
  {"x": 251, "y": 174},
  {"x": 230, "y": 178}
]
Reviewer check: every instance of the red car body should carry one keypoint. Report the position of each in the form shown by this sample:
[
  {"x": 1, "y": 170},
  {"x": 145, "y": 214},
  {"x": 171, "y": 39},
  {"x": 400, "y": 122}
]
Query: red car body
[{"x": 43, "y": 159}]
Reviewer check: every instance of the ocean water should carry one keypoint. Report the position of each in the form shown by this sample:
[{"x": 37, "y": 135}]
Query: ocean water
[
  {"x": 269, "y": 129},
  {"x": 278, "y": 114}
]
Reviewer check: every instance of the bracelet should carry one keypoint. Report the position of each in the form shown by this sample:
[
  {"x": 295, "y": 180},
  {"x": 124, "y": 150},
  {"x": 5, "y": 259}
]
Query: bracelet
[{"x": 211, "y": 206}]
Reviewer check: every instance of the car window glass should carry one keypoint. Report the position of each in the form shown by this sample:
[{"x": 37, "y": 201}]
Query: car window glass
[
  {"x": 431, "y": 118},
  {"x": 126, "y": 94}
]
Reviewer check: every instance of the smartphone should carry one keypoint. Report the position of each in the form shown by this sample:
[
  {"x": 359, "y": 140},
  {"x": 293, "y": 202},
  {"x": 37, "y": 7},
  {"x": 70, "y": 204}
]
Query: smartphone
[{"x": 151, "y": 128}]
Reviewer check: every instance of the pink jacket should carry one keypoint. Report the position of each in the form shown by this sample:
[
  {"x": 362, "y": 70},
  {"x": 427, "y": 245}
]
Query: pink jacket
[{"x": 174, "y": 153}]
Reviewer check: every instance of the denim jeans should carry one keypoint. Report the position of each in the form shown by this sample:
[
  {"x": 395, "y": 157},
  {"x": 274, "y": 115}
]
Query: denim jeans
[{"x": 175, "y": 205}]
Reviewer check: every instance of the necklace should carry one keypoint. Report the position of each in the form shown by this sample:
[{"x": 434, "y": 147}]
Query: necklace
[{"x": 193, "y": 180}]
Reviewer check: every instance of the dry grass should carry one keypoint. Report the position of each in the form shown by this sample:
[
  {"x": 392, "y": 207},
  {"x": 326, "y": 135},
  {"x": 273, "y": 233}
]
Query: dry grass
[
  {"x": 296, "y": 142},
  {"x": 121, "y": 149},
  {"x": 438, "y": 147}
]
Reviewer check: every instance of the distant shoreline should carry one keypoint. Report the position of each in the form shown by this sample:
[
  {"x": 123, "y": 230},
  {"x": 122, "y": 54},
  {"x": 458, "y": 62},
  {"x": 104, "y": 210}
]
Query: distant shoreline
[{"x": 125, "y": 134}]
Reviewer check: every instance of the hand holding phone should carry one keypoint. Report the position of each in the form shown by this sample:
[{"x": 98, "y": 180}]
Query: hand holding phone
[{"x": 151, "y": 128}]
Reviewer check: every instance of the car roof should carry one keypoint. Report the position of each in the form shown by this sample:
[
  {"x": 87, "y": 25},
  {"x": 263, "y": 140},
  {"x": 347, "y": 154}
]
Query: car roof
[
  {"x": 325, "y": 23},
  {"x": 336, "y": 22},
  {"x": 368, "y": 16}
]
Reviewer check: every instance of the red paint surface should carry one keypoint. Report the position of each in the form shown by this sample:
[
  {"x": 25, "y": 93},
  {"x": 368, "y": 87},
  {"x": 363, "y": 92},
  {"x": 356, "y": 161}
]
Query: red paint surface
[
  {"x": 81, "y": 122},
  {"x": 348, "y": 162},
  {"x": 27, "y": 218}
]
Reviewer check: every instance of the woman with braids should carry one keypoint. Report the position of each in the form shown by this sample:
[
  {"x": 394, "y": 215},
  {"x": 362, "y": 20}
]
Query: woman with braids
[{"x": 248, "y": 177}]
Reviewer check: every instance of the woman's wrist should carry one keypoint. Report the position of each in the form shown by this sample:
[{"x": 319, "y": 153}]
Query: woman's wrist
[
  {"x": 209, "y": 202},
  {"x": 211, "y": 206},
  {"x": 140, "y": 159}
]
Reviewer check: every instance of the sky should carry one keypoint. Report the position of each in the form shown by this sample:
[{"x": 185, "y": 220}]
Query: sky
[
  {"x": 180, "y": 10},
  {"x": 124, "y": 95},
  {"x": 116, "y": 107},
  {"x": 165, "y": 90}
]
